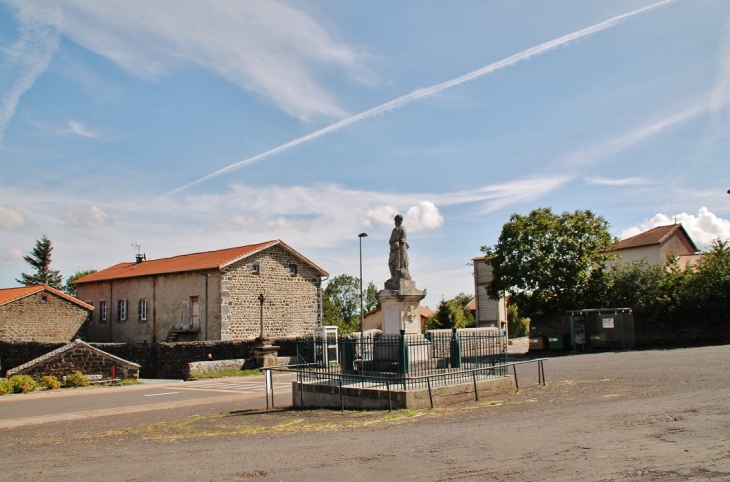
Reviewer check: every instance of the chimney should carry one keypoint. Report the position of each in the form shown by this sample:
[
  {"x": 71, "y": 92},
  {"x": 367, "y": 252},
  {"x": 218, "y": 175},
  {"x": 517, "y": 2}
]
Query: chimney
[{"x": 138, "y": 258}]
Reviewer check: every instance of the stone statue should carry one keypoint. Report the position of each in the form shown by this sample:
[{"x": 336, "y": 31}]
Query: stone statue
[{"x": 398, "y": 259}]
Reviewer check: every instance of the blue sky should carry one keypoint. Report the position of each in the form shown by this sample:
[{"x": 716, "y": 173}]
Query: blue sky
[{"x": 192, "y": 126}]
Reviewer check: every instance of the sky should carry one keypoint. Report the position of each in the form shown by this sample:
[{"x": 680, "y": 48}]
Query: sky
[{"x": 187, "y": 126}]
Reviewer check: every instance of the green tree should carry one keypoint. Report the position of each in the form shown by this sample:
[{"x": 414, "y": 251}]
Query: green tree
[
  {"x": 451, "y": 314},
  {"x": 516, "y": 325},
  {"x": 40, "y": 260},
  {"x": 343, "y": 291},
  {"x": 370, "y": 301},
  {"x": 546, "y": 262},
  {"x": 708, "y": 286},
  {"x": 70, "y": 287}
]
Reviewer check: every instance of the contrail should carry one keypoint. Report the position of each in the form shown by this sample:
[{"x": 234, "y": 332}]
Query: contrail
[{"x": 421, "y": 93}]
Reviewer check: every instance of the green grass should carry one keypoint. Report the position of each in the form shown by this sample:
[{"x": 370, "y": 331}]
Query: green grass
[
  {"x": 227, "y": 373},
  {"x": 131, "y": 381}
]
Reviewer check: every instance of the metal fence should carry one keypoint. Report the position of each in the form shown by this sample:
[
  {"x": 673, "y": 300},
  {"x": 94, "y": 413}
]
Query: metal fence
[{"x": 403, "y": 361}]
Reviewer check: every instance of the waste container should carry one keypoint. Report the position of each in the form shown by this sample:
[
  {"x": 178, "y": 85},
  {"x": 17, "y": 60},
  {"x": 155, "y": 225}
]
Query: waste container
[
  {"x": 558, "y": 342},
  {"x": 538, "y": 343}
]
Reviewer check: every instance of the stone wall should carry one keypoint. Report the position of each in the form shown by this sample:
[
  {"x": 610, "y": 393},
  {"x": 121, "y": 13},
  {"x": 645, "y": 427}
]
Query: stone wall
[
  {"x": 77, "y": 356},
  {"x": 157, "y": 360},
  {"x": 41, "y": 317},
  {"x": 291, "y": 305}
]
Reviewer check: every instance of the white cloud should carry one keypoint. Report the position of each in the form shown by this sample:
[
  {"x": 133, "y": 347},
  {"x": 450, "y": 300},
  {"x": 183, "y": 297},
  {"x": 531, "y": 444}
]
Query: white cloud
[
  {"x": 85, "y": 218},
  {"x": 703, "y": 228},
  {"x": 80, "y": 129},
  {"x": 11, "y": 218},
  {"x": 269, "y": 48},
  {"x": 419, "y": 94},
  {"x": 27, "y": 58},
  {"x": 628, "y": 181},
  {"x": 12, "y": 255}
]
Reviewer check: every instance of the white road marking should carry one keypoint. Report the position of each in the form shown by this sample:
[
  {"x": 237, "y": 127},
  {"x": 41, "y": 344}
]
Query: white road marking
[{"x": 158, "y": 394}]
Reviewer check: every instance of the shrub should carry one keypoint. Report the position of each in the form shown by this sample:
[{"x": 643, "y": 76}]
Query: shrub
[
  {"x": 22, "y": 383},
  {"x": 5, "y": 387},
  {"x": 76, "y": 379},
  {"x": 131, "y": 381},
  {"x": 50, "y": 382}
]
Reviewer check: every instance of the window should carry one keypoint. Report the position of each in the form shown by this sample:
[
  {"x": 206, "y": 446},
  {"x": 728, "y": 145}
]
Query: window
[
  {"x": 143, "y": 306},
  {"x": 121, "y": 310},
  {"x": 102, "y": 310},
  {"x": 44, "y": 299},
  {"x": 293, "y": 269},
  {"x": 255, "y": 268}
]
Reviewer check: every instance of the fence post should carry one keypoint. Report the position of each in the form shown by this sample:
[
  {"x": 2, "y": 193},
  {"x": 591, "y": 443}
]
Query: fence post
[
  {"x": 476, "y": 392},
  {"x": 517, "y": 384},
  {"x": 342, "y": 397},
  {"x": 403, "y": 358},
  {"x": 455, "y": 349},
  {"x": 430, "y": 396},
  {"x": 390, "y": 401}
]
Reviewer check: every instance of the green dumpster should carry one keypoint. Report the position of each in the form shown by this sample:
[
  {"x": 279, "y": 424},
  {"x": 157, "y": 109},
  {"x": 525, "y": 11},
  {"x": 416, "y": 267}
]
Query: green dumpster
[{"x": 558, "y": 342}]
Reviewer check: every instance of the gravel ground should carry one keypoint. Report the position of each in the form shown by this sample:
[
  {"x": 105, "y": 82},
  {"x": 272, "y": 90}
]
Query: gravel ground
[{"x": 638, "y": 416}]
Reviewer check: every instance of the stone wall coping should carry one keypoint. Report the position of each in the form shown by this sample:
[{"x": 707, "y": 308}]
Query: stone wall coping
[{"x": 59, "y": 351}]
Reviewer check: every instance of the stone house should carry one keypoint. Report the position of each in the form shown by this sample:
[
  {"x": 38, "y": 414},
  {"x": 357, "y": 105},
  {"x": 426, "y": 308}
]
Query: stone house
[
  {"x": 656, "y": 245},
  {"x": 41, "y": 314},
  {"x": 487, "y": 311},
  {"x": 213, "y": 295}
]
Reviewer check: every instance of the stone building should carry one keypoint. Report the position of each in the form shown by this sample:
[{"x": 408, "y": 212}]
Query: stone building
[
  {"x": 488, "y": 312},
  {"x": 41, "y": 314},
  {"x": 656, "y": 245},
  {"x": 214, "y": 295}
]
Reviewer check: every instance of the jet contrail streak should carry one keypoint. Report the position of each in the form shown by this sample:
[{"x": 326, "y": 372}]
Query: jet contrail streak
[{"x": 421, "y": 93}]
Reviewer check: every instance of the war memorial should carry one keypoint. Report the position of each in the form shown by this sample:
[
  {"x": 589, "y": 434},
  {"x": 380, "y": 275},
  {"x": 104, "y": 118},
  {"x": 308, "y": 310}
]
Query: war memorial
[{"x": 400, "y": 366}]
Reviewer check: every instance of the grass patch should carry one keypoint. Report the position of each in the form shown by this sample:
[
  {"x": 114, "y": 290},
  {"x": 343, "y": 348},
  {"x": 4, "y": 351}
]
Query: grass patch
[
  {"x": 227, "y": 373},
  {"x": 131, "y": 381}
]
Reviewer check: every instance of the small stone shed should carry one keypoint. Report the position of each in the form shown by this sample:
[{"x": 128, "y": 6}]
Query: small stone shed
[
  {"x": 40, "y": 313},
  {"x": 80, "y": 356}
]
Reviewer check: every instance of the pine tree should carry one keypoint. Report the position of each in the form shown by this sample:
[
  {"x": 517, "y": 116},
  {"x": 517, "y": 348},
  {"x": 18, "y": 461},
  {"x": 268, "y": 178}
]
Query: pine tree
[{"x": 40, "y": 260}]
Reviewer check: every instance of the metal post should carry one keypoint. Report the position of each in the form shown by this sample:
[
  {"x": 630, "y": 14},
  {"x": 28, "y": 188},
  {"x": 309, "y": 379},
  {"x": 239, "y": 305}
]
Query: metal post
[
  {"x": 362, "y": 315},
  {"x": 390, "y": 401},
  {"x": 476, "y": 392},
  {"x": 517, "y": 383},
  {"x": 430, "y": 395},
  {"x": 542, "y": 368},
  {"x": 342, "y": 398}
]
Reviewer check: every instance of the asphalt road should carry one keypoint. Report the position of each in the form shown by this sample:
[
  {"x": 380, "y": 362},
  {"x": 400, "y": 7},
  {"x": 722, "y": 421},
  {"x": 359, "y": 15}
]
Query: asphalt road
[{"x": 59, "y": 405}]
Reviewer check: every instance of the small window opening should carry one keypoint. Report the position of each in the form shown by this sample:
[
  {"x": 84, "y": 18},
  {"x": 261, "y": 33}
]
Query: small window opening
[{"x": 293, "y": 269}]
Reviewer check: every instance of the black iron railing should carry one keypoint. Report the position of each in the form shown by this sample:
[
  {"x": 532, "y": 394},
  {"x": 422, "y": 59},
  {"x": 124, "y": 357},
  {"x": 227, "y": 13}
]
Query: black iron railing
[{"x": 410, "y": 362}]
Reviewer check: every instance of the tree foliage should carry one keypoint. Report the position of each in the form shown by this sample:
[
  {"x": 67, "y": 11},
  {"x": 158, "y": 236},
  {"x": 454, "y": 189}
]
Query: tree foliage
[
  {"x": 69, "y": 287},
  {"x": 371, "y": 302},
  {"x": 40, "y": 260},
  {"x": 452, "y": 314},
  {"x": 547, "y": 262}
]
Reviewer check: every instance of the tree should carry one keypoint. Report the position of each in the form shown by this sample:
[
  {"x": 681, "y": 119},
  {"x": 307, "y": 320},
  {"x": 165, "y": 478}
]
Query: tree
[
  {"x": 40, "y": 260},
  {"x": 452, "y": 314},
  {"x": 370, "y": 301},
  {"x": 70, "y": 287},
  {"x": 546, "y": 262},
  {"x": 343, "y": 291}
]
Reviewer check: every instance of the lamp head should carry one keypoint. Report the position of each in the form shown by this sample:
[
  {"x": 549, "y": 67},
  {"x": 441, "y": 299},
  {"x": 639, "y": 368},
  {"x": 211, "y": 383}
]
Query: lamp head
[{"x": 362, "y": 235}]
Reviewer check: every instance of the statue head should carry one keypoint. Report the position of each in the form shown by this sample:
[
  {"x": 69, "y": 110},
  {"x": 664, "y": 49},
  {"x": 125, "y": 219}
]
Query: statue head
[{"x": 398, "y": 219}]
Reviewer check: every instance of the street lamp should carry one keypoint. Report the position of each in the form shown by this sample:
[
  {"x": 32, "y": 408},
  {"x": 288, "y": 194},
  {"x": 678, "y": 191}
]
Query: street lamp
[{"x": 362, "y": 315}]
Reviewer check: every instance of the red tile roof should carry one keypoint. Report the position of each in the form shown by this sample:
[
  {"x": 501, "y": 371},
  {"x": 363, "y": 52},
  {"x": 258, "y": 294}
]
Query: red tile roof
[
  {"x": 188, "y": 262},
  {"x": 8, "y": 295},
  {"x": 653, "y": 236},
  {"x": 472, "y": 306}
]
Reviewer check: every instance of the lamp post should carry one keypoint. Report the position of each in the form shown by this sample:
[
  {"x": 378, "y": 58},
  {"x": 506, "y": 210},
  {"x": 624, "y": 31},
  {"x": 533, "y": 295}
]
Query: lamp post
[{"x": 362, "y": 315}]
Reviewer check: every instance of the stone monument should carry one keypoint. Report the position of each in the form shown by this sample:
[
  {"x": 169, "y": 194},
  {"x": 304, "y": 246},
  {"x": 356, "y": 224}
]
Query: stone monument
[{"x": 400, "y": 299}]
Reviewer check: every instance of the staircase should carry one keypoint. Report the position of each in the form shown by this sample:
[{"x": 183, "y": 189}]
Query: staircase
[{"x": 172, "y": 337}]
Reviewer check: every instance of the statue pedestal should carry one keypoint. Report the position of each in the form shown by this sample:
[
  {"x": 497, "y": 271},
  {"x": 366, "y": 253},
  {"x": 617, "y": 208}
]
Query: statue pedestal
[{"x": 401, "y": 311}]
